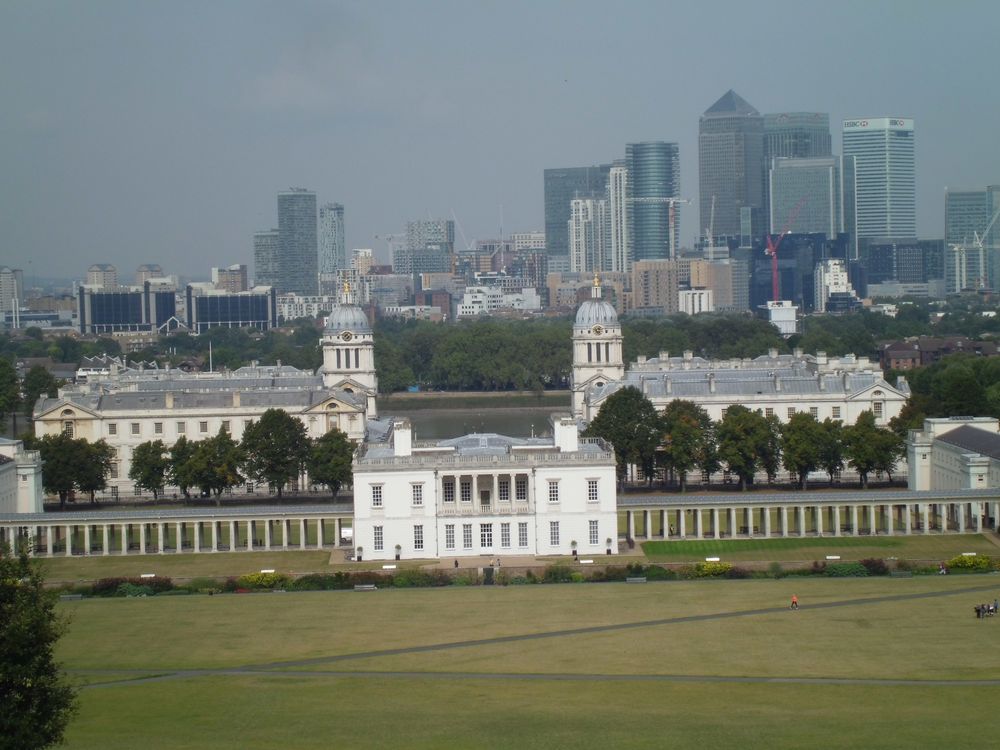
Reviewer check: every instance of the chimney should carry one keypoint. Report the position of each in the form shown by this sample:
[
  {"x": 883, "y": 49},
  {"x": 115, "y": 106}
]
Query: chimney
[
  {"x": 688, "y": 355},
  {"x": 821, "y": 358},
  {"x": 797, "y": 352},
  {"x": 168, "y": 400},
  {"x": 402, "y": 437},
  {"x": 236, "y": 398},
  {"x": 711, "y": 382},
  {"x": 565, "y": 434},
  {"x": 821, "y": 381},
  {"x": 777, "y": 382},
  {"x": 772, "y": 353},
  {"x": 668, "y": 385},
  {"x": 664, "y": 355}
]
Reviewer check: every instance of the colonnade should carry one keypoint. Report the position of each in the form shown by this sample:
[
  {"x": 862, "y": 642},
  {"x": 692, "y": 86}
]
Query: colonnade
[
  {"x": 676, "y": 520},
  {"x": 82, "y": 535}
]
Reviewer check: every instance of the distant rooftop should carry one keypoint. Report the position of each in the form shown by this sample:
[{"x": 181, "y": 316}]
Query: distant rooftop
[{"x": 731, "y": 103}]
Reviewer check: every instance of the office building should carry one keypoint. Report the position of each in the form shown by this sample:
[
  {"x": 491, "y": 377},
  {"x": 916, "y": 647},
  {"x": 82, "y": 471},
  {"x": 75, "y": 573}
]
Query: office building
[
  {"x": 101, "y": 311},
  {"x": 586, "y": 230},
  {"x": 807, "y": 195},
  {"x": 618, "y": 239},
  {"x": 148, "y": 271},
  {"x": 653, "y": 178},
  {"x": 297, "y": 267},
  {"x": 332, "y": 242},
  {"x": 265, "y": 257},
  {"x": 208, "y": 307},
  {"x": 102, "y": 276},
  {"x": 561, "y": 186},
  {"x": 730, "y": 165},
  {"x": 429, "y": 248},
  {"x": 885, "y": 176},
  {"x": 233, "y": 279},
  {"x": 972, "y": 234},
  {"x": 11, "y": 289},
  {"x": 794, "y": 135},
  {"x": 655, "y": 287},
  {"x": 834, "y": 293},
  {"x": 528, "y": 240}
]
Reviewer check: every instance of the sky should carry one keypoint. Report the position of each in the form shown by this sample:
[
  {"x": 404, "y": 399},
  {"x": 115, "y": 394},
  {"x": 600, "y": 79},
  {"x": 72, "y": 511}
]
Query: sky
[{"x": 160, "y": 131}]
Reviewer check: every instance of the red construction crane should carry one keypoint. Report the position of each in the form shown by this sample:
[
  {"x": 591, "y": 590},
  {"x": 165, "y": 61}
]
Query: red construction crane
[{"x": 772, "y": 248}]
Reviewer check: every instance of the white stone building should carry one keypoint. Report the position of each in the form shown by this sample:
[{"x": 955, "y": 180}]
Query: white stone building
[
  {"x": 485, "y": 495},
  {"x": 954, "y": 453},
  {"x": 20, "y": 478}
]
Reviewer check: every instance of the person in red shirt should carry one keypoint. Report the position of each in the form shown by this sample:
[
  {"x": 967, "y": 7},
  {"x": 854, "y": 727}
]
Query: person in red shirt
[{"x": 795, "y": 602}]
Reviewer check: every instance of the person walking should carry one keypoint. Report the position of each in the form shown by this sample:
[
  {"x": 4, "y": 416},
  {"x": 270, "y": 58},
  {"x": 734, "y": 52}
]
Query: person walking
[{"x": 795, "y": 602}]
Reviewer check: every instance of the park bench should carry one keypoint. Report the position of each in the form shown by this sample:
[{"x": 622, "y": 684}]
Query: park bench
[
  {"x": 636, "y": 579},
  {"x": 365, "y": 587}
]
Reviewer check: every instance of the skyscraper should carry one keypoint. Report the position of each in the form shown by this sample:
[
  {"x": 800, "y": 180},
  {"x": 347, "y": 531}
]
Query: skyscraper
[
  {"x": 972, "y": 231},
  {"x": 653, "y": 175},
  {"x": 332, "y": 245},
  {"x": 885, "y": 176},
  {"x": 11, "y": 289},
  {"x": 297, "y": 249},
  {"x": 265, "y": 257},
  {"x": 430, "y": 247},
  {"x": 794, "y": 135},
  {"x": 731, "y": 164},
  {"x": 561, "y": 186},
  {"x": 807, "y": 195},
  {"x": 586, "y": 231},
  {"x": 619, "y": 249}
]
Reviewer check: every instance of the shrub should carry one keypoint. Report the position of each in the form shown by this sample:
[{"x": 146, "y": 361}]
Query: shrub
[
  {"x": 131, "y": 590},
  {"x": 467, "y": 578},
  {"x": 107, "y": 586},
  {"x": 737, "y": 572},
  {"x": 410, "y": 578},
  {"x": 712, "y": 569},
  {"x": 876, "y": 566},
  {"x": 775, "y": 570},
  {"x": 320, "y": 582},
  {"x": 970, "y": 564},
  {"x": 846, "y": 570},
  {"x": 557, "y": 574},
  {"x": 262, "y": 581},
  {"x": 577, "y": 577},
  {"x": 113, "y": 586},
  {"x": 610, "y": 573},
  {"x": 520, "y": 580},
  {"x": 656, "y": 573},
  {"x": 203, "y": 584}
]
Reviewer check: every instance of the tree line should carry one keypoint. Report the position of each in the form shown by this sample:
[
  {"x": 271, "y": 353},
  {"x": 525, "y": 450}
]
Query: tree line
[
  {"x": 274, "y": 451},
  {"x": 683, "y": 438}
]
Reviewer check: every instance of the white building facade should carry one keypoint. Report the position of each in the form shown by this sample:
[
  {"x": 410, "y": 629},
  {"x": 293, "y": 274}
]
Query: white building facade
[{"x": 485, "y": 495}]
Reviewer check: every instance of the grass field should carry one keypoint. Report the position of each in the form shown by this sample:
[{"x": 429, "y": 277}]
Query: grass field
[{"x": 873, "y": 663}]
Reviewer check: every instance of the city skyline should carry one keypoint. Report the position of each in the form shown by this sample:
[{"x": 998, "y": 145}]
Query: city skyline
[{"x": 153, "y": 133}]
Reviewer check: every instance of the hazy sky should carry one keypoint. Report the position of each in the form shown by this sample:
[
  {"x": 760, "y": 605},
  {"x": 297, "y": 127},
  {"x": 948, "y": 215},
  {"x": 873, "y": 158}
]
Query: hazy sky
[{"x": 140, "y": 131}]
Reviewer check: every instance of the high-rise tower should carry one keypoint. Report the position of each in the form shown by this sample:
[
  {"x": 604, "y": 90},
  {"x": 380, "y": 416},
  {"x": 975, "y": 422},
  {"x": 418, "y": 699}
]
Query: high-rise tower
[
  {"x": 332, "y": 245},
  {"x": 793, "y": 135},
  {"x": 884, "y": 176},
  {"x": 562, "y": 186},
  {"x": 653, "y": 175},
  {"x": 731, "y": 165},
  {"x": 297, "y": 271}
]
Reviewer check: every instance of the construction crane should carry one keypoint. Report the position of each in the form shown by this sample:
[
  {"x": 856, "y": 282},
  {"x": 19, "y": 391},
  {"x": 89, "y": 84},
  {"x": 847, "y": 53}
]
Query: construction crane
[
  {"x": 390, "y": 241},
  {"x": 978, "y": 240},
  {"x": 772, "y": 248},
  {"x": 671, "y": 217},
  {"x": 710, "y": 233}
]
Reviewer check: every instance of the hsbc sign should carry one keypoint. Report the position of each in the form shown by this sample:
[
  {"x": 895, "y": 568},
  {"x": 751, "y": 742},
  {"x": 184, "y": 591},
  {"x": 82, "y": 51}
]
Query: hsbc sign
[
  {"x": 855, "y": 123},
  {"x": 879, "y": 123}
]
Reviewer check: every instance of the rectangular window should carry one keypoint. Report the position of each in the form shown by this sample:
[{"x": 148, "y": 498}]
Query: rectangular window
[
  {"x": 521, "y": 489},
  {"x": 814, "y": 410},
  {"x": 466, "y": 491},
  {"x": 592, "y": 495},
  {"x": 376, "y": 495},
  {"x": 418, "y": 494},
  {"x": 203, "y": 427},
  {"x": 768, "y": 411},
  {"x": 522, "y": 534},
  {"x": 486, "y": 534},
  {"x": 112, "y": 429},
  {"x": 135, "y": 428},
  {"x": 418, "y": 537},
  {"x": 791, "y": 412},
  {"x": 553, "y": 490},
  {"x": 836, "y": 412},
  {"x": 877, "y": 409},
  {"x": 377, "y": 540},
  {"x": 554, "y": 533},
  {"x": 449, "y": 492},
  {"x": 181, "y": 428},
  {"x": 157, "y": 428},
  {"x": 449, "y": 536},
  {"x": 225, "y": 425},
  {"x": 114, "y": 471},
  {"x": 467, "y": 536},
  {"x": 504, "y": 490},
  {"x": 594, "y": 536},
  {"x": 505, "y": 535}
]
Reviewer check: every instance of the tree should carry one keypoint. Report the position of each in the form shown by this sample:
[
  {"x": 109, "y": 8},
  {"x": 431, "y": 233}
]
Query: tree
[
  {"x": 94, "y": 467},
  {"x": 37, "y": 700},
  {"x": 275, "y": 448},
  {"x": 215, "y": 465},
  {"x": 889, "y": 447},
  {"x": 688, "y": 438},
  {"x": 38, "y": 381},
  {"x": 150, "y": 463},
  {"x": 861, "y": 445},
  {"x": 9, "y": 388},
  {"x": 330, "y": 460},
  {"x": 61, "y": 458},
  {"x": 180, "y": 469},
  {"x": 744, "y": 438},
  {"x": 831, "y": 447},
  {"x": 628, "y": 420},
  {"x": 801, "y": 443}
]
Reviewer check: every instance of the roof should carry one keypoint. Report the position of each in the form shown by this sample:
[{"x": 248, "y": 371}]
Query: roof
[
  {"x": 974, "y": 439},
  {"x": 731, "y": 103}
]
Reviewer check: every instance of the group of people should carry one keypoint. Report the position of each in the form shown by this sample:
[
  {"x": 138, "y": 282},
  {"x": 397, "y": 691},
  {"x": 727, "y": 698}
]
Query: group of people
[{"x": 986, "y": 609}]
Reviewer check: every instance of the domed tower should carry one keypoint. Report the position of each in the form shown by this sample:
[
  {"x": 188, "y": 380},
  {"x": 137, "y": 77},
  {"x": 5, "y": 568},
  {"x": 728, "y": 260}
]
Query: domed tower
[
  {"x": 597, "y": 347},
  {"x": 348, "y": 351}
]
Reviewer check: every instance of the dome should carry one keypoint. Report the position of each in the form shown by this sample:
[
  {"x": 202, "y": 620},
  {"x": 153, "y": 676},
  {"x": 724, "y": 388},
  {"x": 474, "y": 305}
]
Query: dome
[
  {"x": 596, "y": 311},
  {"x": 346, "y": 317}
]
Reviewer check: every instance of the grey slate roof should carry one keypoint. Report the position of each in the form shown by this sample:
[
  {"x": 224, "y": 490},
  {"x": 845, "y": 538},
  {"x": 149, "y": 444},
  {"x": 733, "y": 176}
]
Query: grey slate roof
[{"x": 974, "y": 439}]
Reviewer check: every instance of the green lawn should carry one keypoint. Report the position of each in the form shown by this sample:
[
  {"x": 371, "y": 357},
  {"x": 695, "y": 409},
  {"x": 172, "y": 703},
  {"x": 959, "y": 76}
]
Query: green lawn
[{"x": 650, "y": 680}]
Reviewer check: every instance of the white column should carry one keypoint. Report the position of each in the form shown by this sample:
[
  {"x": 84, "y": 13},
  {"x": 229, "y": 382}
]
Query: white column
[
  {"x": 68, "y": 531},
  {"x": 925, "y": 517},
  {"x": 978, "y": 523},
  {"x": 854, "y": 520},
  {"x": 267, "y": 534},
  {"x": 124, "y": 538},
  {"x": 961, "y": 507},
  {"x": 105, "y": 541},
  {"x": 872, "y": 525},
  {"x": 907, "y": 526},
  {"x": 802, "y": 520},
  {"x": 890, "y": 521},
  {"x": 215, "y": 536},
  {"x": 196, "y": 541},
  {"x": 302, "y": 533},
  {"x": 783, "y": 520},
  {"x": 319, "y": 533},
  {"x": 86, "y": 539},
  {"x": 647, "y": 528},
  {"x": 48, "y": 541},
  {"x": 715, "y": 522},
  {"x": 749, "y": 517},
  {"x": 682, "y": 522},
  {"x": 996, "y": 515},
  {"x": 142, "y": 538},
  {"x": 179, "y": 537},
  {"x": 284, "y": 533},
  {"x": 232, "y": 536},
  {"x": 160, "y": 536},
  {"x": 766, "y": 512},
  {"x": 250, "y": 533},
  {"x": 836, "y": 520},
  {"x": 818, "y": 511}
]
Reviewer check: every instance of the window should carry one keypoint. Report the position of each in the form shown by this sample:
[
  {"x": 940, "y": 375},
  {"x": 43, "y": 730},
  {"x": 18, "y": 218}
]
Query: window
[
  {"x": 836, "y": 412},
  {"x": 768, "y": 412},
  {"x": 592, "y": 495},
  {"x": 594, "y": 537},
  {"x": 418, "y": 537},
  {"x": 181, "y": 428},
  {"x": 376, "y": 495},
  {"x": 553, "y": 490},
  {"x": 68, "y": 429},
  {"x": 114, "y": 471},
  {"x": 505, "y": 535},
  {"x": 225, "y": 425},
  {"x": 418, "y": 494},
  {"x": 554, "y": 533},
  {"x": 504, "y": 490},
  {"x": 791, "y": 412},
  {"x": 522, "y": 534},
  {"x": 466, "y": 491},
  {"x": 467, "y": 536},
  {"x": 203, "y": 427},
  {"x": 378, "y": 538},
  {"x": 157, "y": 428},
  {"x": 449, "y": 536},
  {"x": 521, "y": 489},
  {"x": 486, "y": 534},
  {"x": 814, "y": 410},
  {"x": 449, "y": 492},
  {"x": 135, "y": 428},
  {"x": 877, "y": 409},
  {"x": 112, "y": 429}
]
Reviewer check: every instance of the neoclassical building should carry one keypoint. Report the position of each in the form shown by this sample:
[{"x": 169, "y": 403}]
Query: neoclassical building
[
  {"x": 127, "y": 407},
  {"x": 485, "y": 495},
  {"x": 20, "y": 478},
  {"x": 779, "y": 384},
  {"x": 955, "y": 453}
]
